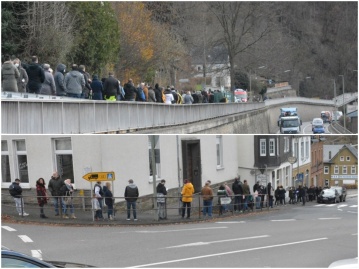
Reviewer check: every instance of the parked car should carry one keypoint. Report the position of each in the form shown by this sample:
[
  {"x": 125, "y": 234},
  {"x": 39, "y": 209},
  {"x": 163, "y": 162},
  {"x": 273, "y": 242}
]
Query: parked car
[
  {"x": 14, "y": 259},
  {"x": 328, "y": 196},
  {"x": 342, "y": 192}
]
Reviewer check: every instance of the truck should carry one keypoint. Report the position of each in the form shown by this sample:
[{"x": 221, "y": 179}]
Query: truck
[
  {"x": 326, "y": 116},
  {"x": 289, "y": 122}
]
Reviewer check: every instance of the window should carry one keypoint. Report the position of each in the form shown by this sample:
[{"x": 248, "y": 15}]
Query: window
[
  {"x": 295, "y": 150},
  {"x": 302, "y": 154},
  {"x": 63, "y": 158},
  {"x": 287, "y": 175},
  {"x": 5, "y": 164},
  {"x": 21, "y": 161},
  {"x": 353, "y": 170},
  {"x": 286, "y": 144},
  {"x": 336, "y": 169},
  {"x": 219, "y": 150},
  {"x": 262, "y": 150},
  {"x": 307, "y": 149},
  {"x": 348, "y": 158},
  {"x": 344, "y": 170},
  {"x": 342, "y": 158},
  {"x": 326, "y": 169},
  {"x": 271, "y": 147},
  {"x": 156, "y": 140}
]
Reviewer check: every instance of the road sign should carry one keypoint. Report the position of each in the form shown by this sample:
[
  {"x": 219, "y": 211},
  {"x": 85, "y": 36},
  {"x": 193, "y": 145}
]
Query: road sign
[
  {"x": 262, "y": 178},
  {"x": 99, "y": 176}
]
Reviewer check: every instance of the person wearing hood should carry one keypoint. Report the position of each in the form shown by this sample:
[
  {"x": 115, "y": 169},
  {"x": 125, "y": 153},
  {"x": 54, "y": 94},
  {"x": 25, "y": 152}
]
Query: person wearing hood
[
  {"x": 97, "y": 88},
  {"x": 59, "y": 80},
  {"x": 131, "y": 195},
  {"x": 130, "y": 91},
  {"x": 74, "y": 82},
  {"x": 36, "y": 75},
  {"x": 48, "y": 87},
  {"x": 9, "y": 76},
  {"x": 158, "y": 93},
  {"x": 161, "y": 199},
  {"x": 23, "y": 79}
]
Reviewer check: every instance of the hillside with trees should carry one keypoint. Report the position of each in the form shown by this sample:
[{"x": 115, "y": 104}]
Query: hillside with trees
[{"x": 157, "y": 41}]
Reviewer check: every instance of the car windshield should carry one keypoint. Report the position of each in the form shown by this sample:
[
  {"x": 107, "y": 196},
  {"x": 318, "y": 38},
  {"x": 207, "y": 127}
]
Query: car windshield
[
  {"x": 328, "y": 191},
  {"x": 290, "y": 123}
]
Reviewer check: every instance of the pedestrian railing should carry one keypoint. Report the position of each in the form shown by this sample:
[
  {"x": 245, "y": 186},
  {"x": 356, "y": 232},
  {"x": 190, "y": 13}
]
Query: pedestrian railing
[{"x": 144, "y": 205}]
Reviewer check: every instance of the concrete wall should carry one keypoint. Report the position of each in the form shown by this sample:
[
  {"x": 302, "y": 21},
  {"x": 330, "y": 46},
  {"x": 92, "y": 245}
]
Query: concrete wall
[{"x": 260, "y": 121}]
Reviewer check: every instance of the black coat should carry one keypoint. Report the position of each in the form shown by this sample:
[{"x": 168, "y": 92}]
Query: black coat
[
  {"x": 36, "y": 77},
  {"x": 17, "y": 190},
  {"x": 237, "y": 188},
  {"x": 111, "y": 87},
  {"x": 130, "y": 91},
  {"x": 161, "y": 189}
]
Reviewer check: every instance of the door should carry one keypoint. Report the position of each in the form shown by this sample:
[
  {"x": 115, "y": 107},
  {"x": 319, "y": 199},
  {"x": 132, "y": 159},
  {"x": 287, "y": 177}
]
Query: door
[{"x": 191, "y": 160}]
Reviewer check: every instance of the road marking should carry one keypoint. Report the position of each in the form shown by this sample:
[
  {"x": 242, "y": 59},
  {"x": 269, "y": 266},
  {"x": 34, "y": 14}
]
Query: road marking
[
  {"x": 352, "y": 212},
  {"x": 339, "y": 206},
  {"x": 229, "y": 222},
  {"x": 283, "y": 219},
  {"x": 230, "y": 252},
  {"x": 331, "y": 205},
  {"x": 219, "y": 241},
  {"x": 8, "y": 228},
  {"x": 320, "y": 205},
  {"x": 328, "y": 218},
  {"x": 25, "y": 238},
  {"x": 353, "y": 206},
  {"x": 36, "y": 253},
  {"x": 182, "y": 230}
]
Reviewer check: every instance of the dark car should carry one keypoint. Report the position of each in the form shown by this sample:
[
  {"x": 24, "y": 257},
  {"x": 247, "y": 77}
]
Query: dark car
[
  {"x": 14, "y": 259},
  {"x": 328, "y": 196},
  {"x": 342, "y": 192}
]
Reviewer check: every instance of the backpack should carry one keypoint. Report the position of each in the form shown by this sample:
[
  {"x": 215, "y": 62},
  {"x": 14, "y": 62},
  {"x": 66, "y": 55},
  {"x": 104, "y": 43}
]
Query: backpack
[{"x": 12, "y": 190}]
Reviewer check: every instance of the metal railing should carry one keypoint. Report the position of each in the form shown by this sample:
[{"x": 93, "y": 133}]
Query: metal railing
[{"x": 145, "y": 205}]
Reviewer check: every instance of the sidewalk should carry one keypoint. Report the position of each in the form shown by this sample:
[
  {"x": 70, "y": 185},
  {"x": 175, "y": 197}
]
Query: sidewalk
[{"x": 84, "y": 218}]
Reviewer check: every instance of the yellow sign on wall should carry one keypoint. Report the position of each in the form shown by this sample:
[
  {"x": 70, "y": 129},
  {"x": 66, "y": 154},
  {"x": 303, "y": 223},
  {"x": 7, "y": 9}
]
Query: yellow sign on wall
[{"x": 99, "y": 176}]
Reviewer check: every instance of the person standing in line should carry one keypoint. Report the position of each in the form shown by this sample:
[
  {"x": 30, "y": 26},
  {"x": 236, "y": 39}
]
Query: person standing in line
[
  {"x": 9, "y": 75},
  {"x": 111, "y": 87},
  {"x": 36, "y": 75},
  {"x": 270, "y": 194},
  {"x": 23, "y": 79},
  {"x": 188, "y": 99},
  {"x": 187, "y": 192},
  {"x": 59, "y": 80},
  {"x": 55, "y": 185},
  {"x": 98, "y": 191},
  {"x": 97, "y": 88},
  {"x": 48, "y": 86},
  {"x": 246, "y": 193},
  {"x": 41, "y": 196},
  {"x": 74, "y": 82},
  {"x": 221, "y": 193},
  {"x": 68, "y": 191},
  {"x": 16, "y": 192},
  {"x": 302, "y": 194},
  {"x": 108, "y": 200},
  {"x": 238, "y": 192},
  {"x": 207, "y": 196},
  {"x": 131, "y": 195},
  {"x": 161, "y": 199}
]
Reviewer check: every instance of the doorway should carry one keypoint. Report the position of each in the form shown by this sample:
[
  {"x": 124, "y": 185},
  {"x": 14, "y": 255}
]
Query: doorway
[{"x": 191, "y": 160}]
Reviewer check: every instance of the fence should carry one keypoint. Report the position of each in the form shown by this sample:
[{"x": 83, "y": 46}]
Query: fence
[{"x": 145, "y": 206}]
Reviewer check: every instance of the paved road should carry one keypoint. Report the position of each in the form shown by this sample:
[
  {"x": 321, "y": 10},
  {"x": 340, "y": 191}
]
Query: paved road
[
  {"x": 295, "y": 236},
  {"x": 307, "y": 128}
]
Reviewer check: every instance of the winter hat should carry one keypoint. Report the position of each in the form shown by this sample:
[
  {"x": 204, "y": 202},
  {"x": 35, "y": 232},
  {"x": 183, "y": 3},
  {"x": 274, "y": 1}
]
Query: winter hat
[{"x": 130, "y": 181}]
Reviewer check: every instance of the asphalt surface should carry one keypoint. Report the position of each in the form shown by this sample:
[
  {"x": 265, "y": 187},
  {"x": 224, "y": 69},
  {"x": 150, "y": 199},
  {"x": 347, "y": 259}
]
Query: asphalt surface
[{"x": 85, "y": 218}]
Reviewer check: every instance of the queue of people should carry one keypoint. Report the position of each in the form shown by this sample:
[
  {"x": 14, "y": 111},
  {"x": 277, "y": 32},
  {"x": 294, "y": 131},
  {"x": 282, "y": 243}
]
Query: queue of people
[{"x": 78, "y": 83}]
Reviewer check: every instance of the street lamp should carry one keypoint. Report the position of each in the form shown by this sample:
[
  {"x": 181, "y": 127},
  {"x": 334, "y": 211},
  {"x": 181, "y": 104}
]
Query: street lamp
[{"x": 343, "y": 101}]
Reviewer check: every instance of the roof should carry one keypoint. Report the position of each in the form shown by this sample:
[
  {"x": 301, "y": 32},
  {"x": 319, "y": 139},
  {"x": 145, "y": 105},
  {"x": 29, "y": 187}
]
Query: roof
[{"x": 335, "y": 150}]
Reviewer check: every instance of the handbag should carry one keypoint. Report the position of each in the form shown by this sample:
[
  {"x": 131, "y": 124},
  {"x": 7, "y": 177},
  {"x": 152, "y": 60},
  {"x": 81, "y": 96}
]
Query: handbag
[{"x": 67, "y": 200}]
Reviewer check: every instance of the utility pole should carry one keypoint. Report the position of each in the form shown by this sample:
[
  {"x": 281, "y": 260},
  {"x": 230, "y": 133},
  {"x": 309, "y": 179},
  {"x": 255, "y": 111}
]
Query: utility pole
[
  {"x": 344, "y": 122},
  {"x": 154, "y": 172}
]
